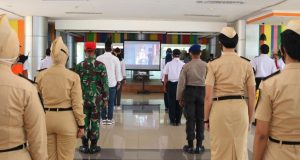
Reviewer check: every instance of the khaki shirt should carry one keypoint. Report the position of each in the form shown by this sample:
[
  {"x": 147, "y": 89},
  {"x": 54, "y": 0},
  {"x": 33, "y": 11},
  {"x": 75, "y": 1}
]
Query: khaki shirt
[
  {"x": 229, "y": 75},
  {"x": 61, "y": 88},
  {"x": 21, "y": 115},
  {"x": 279, "y": 103},
  {"x": 192, "y": 74}
]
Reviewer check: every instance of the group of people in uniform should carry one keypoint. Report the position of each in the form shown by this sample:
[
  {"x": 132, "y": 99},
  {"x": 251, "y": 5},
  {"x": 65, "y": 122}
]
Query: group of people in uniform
[
  {"x": 66, "y": 104},
  {"x": 218, "y": 96}
]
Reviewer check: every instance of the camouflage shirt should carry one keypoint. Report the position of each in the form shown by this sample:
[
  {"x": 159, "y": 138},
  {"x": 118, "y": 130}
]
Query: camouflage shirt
[{"x": 94, "y": 81}]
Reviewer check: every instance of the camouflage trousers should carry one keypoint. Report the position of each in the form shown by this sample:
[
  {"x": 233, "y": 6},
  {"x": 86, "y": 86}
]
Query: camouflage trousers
[{"x": 92, "y": 121}]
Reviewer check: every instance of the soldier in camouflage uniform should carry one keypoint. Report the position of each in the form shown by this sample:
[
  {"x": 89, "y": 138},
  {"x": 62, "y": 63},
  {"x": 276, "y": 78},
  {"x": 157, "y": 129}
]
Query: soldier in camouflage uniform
[{"x": 94, "y": 84}]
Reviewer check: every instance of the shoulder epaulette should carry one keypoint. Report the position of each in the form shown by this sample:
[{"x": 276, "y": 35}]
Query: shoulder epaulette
[
  {"x": 31, "y": 81},
  {"x": 245, "y": 58},
  {"x": 273, "y": 74},
  {"x": 40, "y": 70},
  {"x": 214, "y": 59}
]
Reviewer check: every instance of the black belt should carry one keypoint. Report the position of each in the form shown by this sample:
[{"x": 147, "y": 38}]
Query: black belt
[
  {"x": 58, "y": 109},
  {"x": 283, "y": 142},
  {"x": 228, "y": 97},
  {"x": 189, "y": 86},
  {"x": 15, "y": 148}
]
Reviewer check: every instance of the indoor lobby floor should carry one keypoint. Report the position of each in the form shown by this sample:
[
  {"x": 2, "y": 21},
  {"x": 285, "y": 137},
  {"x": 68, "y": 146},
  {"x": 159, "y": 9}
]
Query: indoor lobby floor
[{"x": 142, "y": 132}]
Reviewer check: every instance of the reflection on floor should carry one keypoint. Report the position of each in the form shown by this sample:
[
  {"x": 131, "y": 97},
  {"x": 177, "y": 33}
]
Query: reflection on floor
[{"x": 142, "y": 132}]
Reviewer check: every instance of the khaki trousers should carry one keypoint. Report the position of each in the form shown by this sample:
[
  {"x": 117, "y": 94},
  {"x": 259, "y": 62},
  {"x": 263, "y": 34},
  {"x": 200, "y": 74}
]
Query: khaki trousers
[
  {"x": 15, "y": 155},
  {"x": 276, "y": 151},
  {"x": 229, "y": 129},
  {"x": 61, "y": 134}
]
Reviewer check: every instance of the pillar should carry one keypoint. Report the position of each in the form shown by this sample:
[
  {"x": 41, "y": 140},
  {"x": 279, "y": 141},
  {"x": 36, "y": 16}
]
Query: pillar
[
  {"x": 71, "y": 47},
  {"x": 213, "y": 47},
  {"x": 240, "y": 27},
  {"x": 36, "y": 40}
]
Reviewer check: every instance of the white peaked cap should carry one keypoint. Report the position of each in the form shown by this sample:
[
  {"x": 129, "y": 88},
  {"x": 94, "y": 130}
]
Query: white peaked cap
[
  {"x": 228, "y": 32},
  {"x": 9, "y": 43},
  {"x": 294, "y": 25},
  {"x": 59, "y": 51}
]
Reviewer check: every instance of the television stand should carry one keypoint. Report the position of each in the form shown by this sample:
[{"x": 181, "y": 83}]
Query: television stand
[{"x": 143, "y": 76}]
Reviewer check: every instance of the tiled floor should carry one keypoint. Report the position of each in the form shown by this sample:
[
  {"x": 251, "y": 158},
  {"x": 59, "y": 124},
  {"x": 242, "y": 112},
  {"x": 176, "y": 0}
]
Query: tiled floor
[{"x": 144, "y": 134}]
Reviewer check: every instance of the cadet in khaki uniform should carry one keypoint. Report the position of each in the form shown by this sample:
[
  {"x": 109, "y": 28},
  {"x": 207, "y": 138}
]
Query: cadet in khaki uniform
[
  {"x": 227, "y": 114},
  {"x": 278, "y": 109},
  {"x": 62, "y": 96},
  {"x": 22, "y": 118}
]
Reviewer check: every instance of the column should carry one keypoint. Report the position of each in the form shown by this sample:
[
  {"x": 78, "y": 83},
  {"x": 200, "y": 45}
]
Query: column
[
  {"x": 71, "y": 47},
  {"x": 213, "y": 47},
  {"x": 240, "y": 27},
  {"x": 36, "y": 38}
]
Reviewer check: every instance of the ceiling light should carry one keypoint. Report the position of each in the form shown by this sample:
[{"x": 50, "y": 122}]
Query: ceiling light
[
  {"x": 83, "y": 13},
  {"x": 221, "y": 2},
  {"x": 202, "y": 15}
]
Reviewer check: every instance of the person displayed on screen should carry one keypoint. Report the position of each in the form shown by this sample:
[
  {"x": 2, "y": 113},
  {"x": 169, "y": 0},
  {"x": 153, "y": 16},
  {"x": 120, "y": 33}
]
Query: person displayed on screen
[
  {"x": 150, "y": 56},
  {"x": 142, "y": 57}
]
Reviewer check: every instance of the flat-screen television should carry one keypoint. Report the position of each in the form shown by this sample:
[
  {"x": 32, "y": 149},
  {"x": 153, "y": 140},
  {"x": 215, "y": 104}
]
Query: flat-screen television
[{"x": 142, "y": 55}]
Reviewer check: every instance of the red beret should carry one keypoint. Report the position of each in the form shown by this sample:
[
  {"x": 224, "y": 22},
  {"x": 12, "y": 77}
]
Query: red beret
[{"x": 90, "y": 46}]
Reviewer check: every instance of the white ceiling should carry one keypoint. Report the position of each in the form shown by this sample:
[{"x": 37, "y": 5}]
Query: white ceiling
[{"x": 142, "y": 9}]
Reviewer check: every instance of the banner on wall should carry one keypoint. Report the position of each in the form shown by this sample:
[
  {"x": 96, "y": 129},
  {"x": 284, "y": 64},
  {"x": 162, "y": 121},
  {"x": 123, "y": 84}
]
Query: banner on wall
[
  {"x": 120, "y": 37},
  {"x": 273, "y": 39}
]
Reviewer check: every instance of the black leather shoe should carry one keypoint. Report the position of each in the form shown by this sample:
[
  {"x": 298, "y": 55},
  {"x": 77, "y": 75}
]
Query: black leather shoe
[
  {"x": 199, "y": 150},
  {"x": 84, "y": 149},
  {"x": 188, "y": 149},
  {"x": 95, "y": 149}
]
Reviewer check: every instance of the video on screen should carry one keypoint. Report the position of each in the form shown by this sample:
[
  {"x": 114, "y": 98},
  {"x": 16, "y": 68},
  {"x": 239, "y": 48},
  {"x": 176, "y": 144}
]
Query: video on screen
[{"x": 142, "y": 55}]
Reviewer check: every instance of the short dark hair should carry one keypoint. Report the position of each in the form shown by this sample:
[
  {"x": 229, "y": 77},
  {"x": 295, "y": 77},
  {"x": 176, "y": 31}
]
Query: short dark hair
[
  {"x": 290, "y": 41},
  {"x": 228, "y": 42},
  {"x": 108, "y": 46},
  {"x": 117, "y": 50},
  {"x": 48, "y": 51},
  {"x": 195, "y": 52},
  {"x": 264, "y": 49},
  {"x": 169, "y": 50},
  {"x": 22, "y": 58},
  {"x": 176, "y": 52}
]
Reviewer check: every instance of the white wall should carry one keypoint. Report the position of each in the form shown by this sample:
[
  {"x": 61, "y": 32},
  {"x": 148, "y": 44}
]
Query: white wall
[
  {"x": 139, "y": 25},
  {"x": 252, "y": 40}
]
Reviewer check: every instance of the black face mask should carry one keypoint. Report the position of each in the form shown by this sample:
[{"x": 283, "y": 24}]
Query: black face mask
[{"x": 282, "y": 53}]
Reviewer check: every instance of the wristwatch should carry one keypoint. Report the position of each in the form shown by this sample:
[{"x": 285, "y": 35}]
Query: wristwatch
[{"x": 207, "y": 121}]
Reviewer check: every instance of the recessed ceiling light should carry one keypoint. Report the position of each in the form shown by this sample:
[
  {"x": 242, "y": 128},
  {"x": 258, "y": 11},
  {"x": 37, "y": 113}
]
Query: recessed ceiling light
[
  {"x": 83, "y": 13},
  {"x": 202, "y": 15}
]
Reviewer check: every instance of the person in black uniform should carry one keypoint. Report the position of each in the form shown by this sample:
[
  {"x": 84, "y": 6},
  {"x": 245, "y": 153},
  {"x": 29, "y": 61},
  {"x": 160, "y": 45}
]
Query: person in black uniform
[{"x": 190, "y": 94}]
